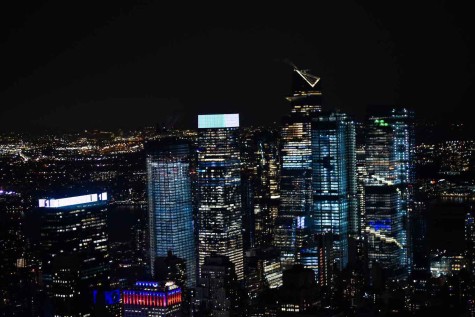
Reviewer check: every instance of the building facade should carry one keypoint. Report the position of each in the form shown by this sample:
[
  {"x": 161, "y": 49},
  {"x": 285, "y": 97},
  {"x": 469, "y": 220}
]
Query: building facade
[
  {"x": 219, "y": 189},
  {"x": 291, "y": 227},
  {"x": 334, "y": 182},
  {"x": 388, "y": 187},
  {"x": 74, "y": 228},
  {"x": 171, "y": 226},
  {"x": 152, "y": 299}
]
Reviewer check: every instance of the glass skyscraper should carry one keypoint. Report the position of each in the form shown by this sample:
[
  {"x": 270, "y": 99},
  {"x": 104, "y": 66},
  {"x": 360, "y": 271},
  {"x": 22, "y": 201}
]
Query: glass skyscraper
[
  {"x": 170, "y": 202},
  {"x": 74, "y": 250},
  {"x": 219, "y": 189},
  {"x": 390, "y": 176},
  {"x": 291, "y": 227},
  {"x": 334, "y": 182}
]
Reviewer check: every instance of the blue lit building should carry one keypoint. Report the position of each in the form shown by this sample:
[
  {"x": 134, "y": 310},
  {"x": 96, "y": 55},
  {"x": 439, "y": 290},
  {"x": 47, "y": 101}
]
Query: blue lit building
[
  {"x": 170, "y": 203},
  {"x": 291, "y": 226},
  {"x": 219, "y": 189},
  {"x": 388, "y": 187},
  {"x": 334, "y": 182}
]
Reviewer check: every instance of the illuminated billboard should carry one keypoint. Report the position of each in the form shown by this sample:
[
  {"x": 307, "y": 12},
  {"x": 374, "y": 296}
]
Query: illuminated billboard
[
  {"x": 71, "y": 201},
  {"x": 206, "y": 121}
]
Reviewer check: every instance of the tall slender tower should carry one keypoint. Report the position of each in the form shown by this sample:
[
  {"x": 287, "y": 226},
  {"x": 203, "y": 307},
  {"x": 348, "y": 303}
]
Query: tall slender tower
[
  {"x": 219, "y": 189},
  {"x": 170, "y": 204},
  {"x": 334, "y": 182},
  {"x": 388, "y": 187},
  {"x": 470, "y": 240},
  {"x": 291, "y": 227}
]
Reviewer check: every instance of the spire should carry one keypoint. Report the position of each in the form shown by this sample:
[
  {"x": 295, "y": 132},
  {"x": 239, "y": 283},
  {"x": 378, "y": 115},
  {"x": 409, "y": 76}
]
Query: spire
[{"x": 309, "y": 78}]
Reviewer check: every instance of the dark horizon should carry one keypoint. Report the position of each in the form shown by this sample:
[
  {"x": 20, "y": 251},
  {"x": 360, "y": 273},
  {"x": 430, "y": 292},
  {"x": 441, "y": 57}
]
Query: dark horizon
[{"x": 139, "y": 63}]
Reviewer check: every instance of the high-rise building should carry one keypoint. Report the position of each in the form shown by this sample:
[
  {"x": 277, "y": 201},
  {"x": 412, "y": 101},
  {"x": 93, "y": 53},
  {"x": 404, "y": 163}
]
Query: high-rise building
[
  {"x": 150, "y": 299},
  {"x": 470, "y": 241},
  {"x": 261, "y": 194},
  {"x": 291, "y": 227},
  {"x": 74, "y": 228},
  {"x": 334, "y": 182},
  {"x": 217, "y": 292},
  {"x": 15, "y": 273},
  {"x": 388, "y": 187},
  {"x": 170, "y": 202},
  {"x": 219, "y": 189},
  {"x": 263, "y": 270}
]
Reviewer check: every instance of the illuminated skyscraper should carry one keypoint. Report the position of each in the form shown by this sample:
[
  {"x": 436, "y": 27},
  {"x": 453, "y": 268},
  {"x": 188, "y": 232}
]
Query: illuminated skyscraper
[
  {"x": 388, "y": 189},
  {"x": 74, "y": 228},
  {"x": 334, "y": 182},
  {"x": 470, "y": 241},
  {"x": 260, "y": 170},
  {"x": 219, "y": 189},
  {"x": 291, "y": 228},
  {"x": 170, "y": 202}
]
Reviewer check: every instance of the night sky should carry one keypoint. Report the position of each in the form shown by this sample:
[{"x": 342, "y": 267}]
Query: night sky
[{"x": 121, "y": 64}]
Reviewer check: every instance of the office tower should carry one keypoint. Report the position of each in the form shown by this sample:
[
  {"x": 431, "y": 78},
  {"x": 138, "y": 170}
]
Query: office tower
[
  {"x": 170, "y": 202},
  {"x": 261, "y": 173},
  {"x": 219, "y": 189},
  {"x": 299, "y": 292},
  {"x": 470, "y": 241},
  {"x": 334, "y": 182},
  {"x": 15, "y": 277},
  {"x": 149, "y": 299},
  {"x": 217, "y": 290},
  {"x": 291, "y": 227},
  {"x": 263, "y": 270},
  {"x": 74, "y": 227},
  {"x": 388, "y": 189},
  {"x": 418, "y": 228},
  {"x": 360, "y": 149}
]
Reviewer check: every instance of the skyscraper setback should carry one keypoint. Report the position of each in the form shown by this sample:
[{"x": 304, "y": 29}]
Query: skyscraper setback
[
  {"x": 291, "y": 228},
  {"x": 170, "y": 202},
  {"x": 219, "y": 189},
  {"x": 389, "y": 152}
]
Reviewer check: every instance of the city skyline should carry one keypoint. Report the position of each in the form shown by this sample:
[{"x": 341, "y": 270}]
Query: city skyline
[{"x": 201, "y": 160}]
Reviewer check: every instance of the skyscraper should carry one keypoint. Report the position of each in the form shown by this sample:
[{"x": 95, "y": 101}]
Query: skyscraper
[
  {"x": 334, "y": 182},
  {"x": 170, "y": 202},
  {"x": 260, "y": 177},
  {"x": 15, "y": 272},
  {"x": 74, "y": 228},
  {"x": 291, "y": 228},
  {"x": 470, "y": 241},
  {"x": 219, "y": 189},
  {"x": 388, "y": 187}
]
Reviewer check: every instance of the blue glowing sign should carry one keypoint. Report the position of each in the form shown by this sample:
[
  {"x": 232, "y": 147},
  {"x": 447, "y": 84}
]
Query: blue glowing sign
[
  {"x": 112, "y": 297},
  {"x": 381, "y": 224},
  {"x": 206, "y": 121}
]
